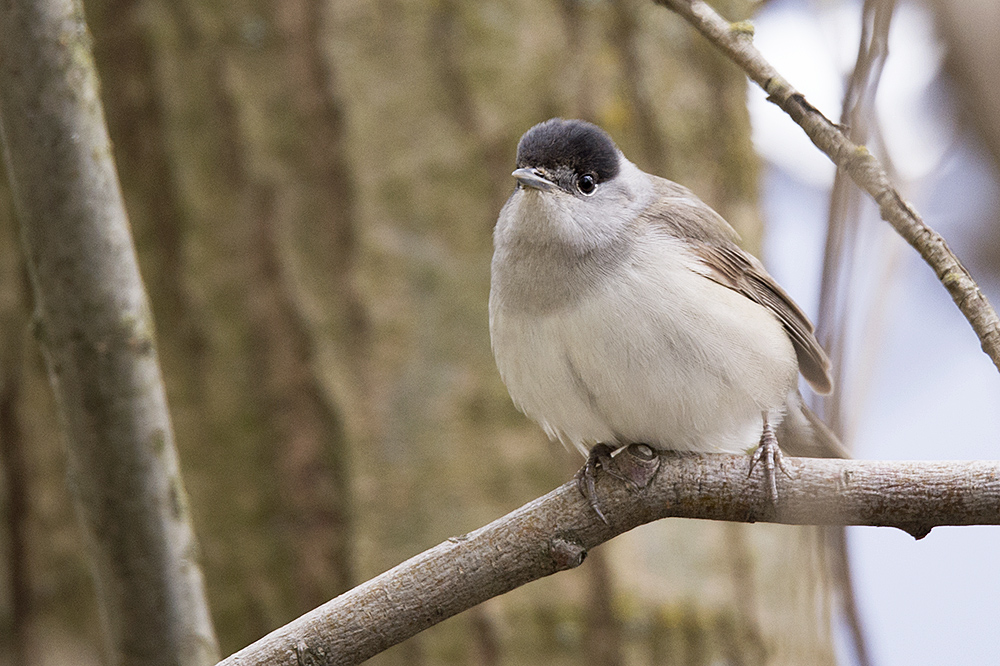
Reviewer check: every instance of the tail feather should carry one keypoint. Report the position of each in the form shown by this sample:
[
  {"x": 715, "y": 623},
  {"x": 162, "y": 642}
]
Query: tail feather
[{"x": 803, "y": 434}]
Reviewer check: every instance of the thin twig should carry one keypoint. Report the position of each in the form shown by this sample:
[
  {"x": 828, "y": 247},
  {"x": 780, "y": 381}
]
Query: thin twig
[
  {"x": 735, "y": 40},
  {"x": 555, "y": 532},
  {"x": 843, "y": 244}
]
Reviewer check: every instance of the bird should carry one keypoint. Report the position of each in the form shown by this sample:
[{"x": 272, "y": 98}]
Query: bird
[{"x": 622, "y": 311}]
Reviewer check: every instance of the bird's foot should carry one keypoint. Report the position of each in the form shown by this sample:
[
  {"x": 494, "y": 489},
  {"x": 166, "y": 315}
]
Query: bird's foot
[
  {"x": 769, "y": 453},
  {"x": 635, "y": 467}
]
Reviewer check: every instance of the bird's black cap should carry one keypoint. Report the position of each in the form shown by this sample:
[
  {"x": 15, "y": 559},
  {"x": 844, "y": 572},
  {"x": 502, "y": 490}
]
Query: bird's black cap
[{"x": 575, "y": 144}]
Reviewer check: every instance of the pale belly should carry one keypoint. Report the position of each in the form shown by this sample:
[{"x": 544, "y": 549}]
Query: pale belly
[{"x": 677, "y": 373}]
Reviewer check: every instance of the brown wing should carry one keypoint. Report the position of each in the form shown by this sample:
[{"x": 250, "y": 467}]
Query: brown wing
[{"x": 713, "y": 241}]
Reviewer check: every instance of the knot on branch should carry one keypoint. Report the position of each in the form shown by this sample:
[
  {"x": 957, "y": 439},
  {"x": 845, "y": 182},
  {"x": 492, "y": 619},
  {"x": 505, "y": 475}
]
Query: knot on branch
[
  {"x": 305, "y": 656},
  {"x": 742, "y": 30},
  {"x": 637, "y": 464},
  {"x": 917, "y": 531},
  {"x": 566, "y": 554}
]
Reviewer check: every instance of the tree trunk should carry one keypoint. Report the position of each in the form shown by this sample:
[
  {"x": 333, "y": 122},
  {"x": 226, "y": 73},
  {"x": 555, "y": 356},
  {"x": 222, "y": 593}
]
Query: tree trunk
[{"x": 95, "y": 328}]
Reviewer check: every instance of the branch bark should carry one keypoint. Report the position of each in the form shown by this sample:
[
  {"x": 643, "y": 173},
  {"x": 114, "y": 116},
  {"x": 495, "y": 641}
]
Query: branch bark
[
  {"x": 735, "y": 40},
  {"x": 554, "y": 533},
  {"x": 94, "y": 325}
]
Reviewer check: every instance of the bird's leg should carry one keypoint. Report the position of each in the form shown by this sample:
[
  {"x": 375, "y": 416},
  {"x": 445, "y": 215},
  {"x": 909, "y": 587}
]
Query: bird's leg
[{"x": 769, "y": 452}]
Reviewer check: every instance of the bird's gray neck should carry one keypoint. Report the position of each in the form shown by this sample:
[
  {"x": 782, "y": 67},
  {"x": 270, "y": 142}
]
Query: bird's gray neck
[{"x": 538, "y": 277}]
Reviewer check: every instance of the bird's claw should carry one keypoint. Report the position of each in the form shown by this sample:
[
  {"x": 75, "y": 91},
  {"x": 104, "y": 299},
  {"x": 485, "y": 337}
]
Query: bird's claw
[
  {"x": 769, "y": 453},
  {"x": 599, "y": 458}
]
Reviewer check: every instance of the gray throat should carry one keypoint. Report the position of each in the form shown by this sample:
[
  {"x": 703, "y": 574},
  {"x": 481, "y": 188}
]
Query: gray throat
[{"x": 539, "y": 278}]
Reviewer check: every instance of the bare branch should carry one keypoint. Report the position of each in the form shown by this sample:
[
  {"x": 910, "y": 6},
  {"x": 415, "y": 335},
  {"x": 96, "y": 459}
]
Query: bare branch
[
  {"x": 555, "y": 532},
  {"x": 735, "y": 40}
]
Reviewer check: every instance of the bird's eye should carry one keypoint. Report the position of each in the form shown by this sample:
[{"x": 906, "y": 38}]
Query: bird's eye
[{"x": 586, "y": 184}]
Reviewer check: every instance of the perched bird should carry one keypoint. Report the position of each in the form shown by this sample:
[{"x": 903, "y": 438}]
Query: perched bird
[{"x": 622, "y": 311}]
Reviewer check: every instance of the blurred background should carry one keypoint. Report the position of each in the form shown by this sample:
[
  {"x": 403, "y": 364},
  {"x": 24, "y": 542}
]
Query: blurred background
[{"x": 312, "y": 187}]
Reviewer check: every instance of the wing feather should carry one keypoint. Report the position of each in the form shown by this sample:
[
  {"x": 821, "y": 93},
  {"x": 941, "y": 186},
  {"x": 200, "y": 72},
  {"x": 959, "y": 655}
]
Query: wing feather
[{"x": 713, "y": 242}]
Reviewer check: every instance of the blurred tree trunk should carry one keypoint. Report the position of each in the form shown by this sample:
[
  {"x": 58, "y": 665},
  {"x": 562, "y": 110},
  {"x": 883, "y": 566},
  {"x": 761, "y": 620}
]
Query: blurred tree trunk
[
  {"x": 15, "y": 641},
  {"x": 312, "y": 188},
  {"x": 969, "y": 31},
  {"x": 45, "y": 582},
  {"x": 95, "y": 329},
  {"x": 259, "y": 425}
]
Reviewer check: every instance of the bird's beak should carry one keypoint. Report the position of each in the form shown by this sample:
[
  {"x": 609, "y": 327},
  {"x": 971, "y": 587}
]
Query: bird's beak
[{"x": 533, "y": 178}]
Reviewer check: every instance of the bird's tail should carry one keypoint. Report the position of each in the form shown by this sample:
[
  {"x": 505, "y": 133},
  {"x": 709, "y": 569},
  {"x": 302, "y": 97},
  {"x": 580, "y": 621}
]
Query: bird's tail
[{"x": 803, "y": 434}]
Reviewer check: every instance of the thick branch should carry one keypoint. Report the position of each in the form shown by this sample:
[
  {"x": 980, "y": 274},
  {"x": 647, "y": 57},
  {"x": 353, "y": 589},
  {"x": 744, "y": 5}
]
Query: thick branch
[
  {"x": 734, "y": 39},
  {"x": 555, "y": 532},
  {"x": 94, "y": 326}
]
